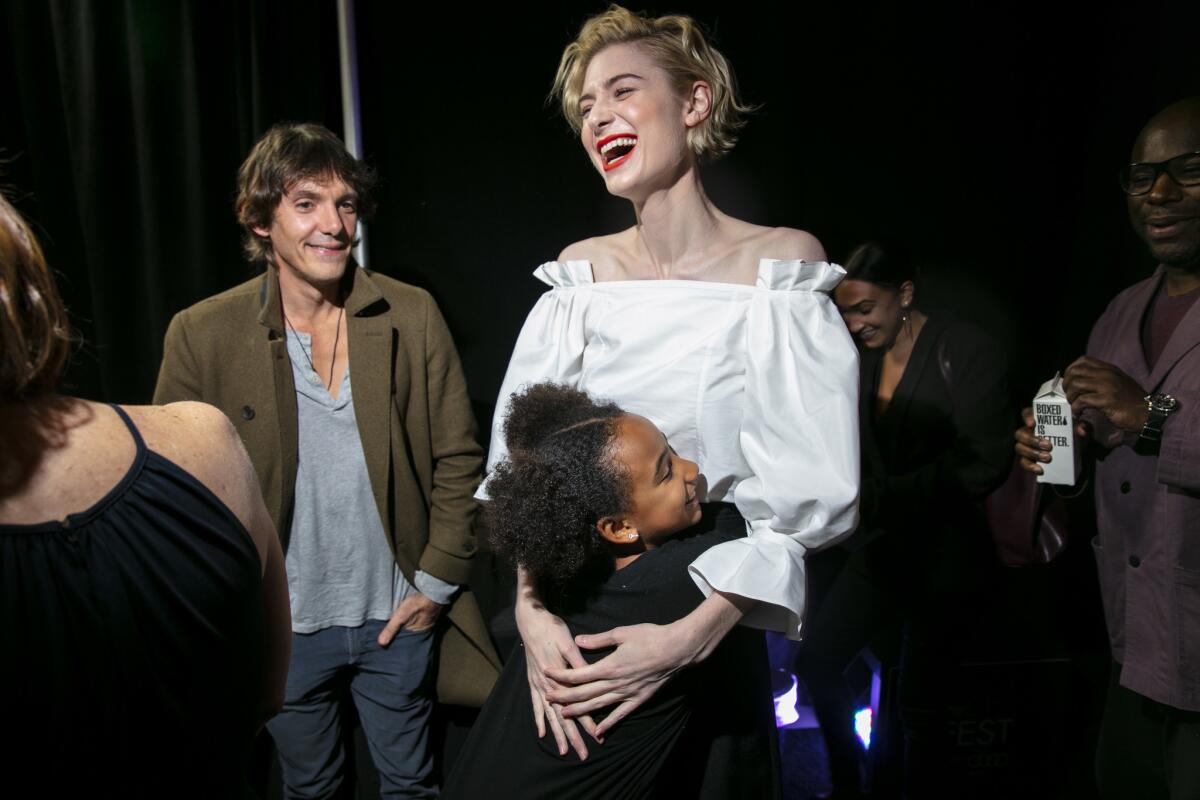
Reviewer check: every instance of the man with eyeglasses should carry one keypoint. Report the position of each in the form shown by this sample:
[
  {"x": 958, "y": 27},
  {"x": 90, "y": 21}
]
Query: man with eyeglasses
[{"x": 1138, "y": 393}]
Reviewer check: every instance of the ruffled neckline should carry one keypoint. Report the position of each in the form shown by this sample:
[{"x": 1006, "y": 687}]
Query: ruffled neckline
[{"x": 774, "y": 274}]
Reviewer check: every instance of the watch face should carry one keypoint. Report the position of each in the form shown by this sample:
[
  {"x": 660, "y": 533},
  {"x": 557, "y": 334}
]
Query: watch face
[{"x": 1163, "y": 402}]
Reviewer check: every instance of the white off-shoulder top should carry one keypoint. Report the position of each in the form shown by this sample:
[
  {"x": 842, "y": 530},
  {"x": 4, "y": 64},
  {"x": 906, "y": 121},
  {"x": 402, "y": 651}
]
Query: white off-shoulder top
[{"x": 756, "y": 384}]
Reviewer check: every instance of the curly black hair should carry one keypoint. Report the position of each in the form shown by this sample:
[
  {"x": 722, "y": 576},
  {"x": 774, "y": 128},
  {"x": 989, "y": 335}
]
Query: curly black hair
[{"x": 560, "y": 479}]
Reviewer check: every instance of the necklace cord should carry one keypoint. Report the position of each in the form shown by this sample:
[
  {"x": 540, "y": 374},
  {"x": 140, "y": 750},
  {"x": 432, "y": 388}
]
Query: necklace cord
[{"x": 337, "y": 337}]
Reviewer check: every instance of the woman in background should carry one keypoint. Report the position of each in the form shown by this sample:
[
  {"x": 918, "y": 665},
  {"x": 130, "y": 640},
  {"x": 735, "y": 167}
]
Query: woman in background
[
  {"x": 722, "y": 333},
  {"x": 934, "y": 409},
  {"x": 142, "y": 594}
]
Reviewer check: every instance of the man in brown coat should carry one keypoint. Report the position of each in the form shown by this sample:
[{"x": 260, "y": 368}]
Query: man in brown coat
[{"x": 369, "y": 482}]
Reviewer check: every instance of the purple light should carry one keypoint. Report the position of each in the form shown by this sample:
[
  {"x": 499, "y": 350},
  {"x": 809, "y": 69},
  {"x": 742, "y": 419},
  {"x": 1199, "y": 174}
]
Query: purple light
[
  {"x": 863, "y": 719},
  {"x": 785, "y": 706}
]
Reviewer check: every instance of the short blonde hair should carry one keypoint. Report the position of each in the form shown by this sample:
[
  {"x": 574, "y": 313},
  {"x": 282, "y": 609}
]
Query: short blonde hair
[
  {"x": 679, "y": 46},
  {"x": 35, "y": 337}
]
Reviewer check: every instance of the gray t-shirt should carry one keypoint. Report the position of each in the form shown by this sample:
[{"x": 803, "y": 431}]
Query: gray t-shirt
[{"x": 340, "y": 567}]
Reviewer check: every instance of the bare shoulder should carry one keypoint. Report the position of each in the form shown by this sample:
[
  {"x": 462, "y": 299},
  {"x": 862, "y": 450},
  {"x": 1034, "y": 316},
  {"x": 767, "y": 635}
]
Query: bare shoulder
[
  {"x": 579, "y": 251},
  {"x": 595, "y": 247},
  {"x": 175, "y": 426},
  {"x": 791, "y": 244},
  {"x": 201, "y": 440},
  {"x": 609, "y": 255}
]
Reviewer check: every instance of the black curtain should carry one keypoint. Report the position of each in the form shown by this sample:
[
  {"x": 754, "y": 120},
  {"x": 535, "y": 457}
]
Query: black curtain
[
  {"x": 123, "y": 127},
  {"x": 989, "y": 142},
  {"x": 987, "y": 138}
]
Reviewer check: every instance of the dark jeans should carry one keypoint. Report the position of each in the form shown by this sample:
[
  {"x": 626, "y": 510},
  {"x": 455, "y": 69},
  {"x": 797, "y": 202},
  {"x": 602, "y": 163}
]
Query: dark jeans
[
  {"x": 392, "y": 692},
  {"x": 1146, "y": 750}
]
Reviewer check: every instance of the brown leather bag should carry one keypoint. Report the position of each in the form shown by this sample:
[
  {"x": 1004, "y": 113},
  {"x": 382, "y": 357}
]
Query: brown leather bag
[{"x": 1028, "y": 526}]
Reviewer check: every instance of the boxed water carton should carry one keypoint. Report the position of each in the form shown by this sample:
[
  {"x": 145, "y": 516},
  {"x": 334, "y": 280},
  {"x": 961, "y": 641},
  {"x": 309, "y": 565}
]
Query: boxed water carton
[{"x": 1052, "y": 419}]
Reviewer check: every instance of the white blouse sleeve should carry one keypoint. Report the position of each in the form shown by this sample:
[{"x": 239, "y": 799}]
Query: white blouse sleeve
[
  {"x": 799, "y": 436},
  {"x": 550, "y": 346}
]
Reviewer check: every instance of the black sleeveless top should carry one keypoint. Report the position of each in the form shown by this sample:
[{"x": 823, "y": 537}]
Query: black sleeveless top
[{"x": 131, "y": 662}]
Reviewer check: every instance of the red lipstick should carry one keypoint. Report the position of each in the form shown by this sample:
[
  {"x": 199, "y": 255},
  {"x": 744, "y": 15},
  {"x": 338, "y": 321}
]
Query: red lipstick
[{"x": 619, "y": 146}]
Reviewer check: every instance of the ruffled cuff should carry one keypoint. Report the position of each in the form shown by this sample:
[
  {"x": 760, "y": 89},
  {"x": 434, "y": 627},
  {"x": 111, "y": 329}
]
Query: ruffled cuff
[{"x": 768, "y": 567}]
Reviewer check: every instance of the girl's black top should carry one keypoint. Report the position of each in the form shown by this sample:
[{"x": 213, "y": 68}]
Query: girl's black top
[{"x": 709, "y": 732}]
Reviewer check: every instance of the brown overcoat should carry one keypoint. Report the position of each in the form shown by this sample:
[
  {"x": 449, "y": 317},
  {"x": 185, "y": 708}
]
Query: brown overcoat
[{"x": 414, "y": 419}]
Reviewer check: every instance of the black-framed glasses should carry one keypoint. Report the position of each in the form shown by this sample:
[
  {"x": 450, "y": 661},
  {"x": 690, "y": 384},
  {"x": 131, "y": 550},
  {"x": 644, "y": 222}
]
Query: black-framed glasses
[{"x": 1137, "y": 179}]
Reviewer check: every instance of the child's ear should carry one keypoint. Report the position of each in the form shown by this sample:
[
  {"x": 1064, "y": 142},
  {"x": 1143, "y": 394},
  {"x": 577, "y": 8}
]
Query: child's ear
[{"x": 617, "y": 530}]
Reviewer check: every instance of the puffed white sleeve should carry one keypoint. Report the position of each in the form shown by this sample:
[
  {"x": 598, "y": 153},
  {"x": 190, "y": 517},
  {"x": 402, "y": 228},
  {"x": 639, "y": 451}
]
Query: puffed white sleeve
[
  {"x": 799, "y": 436},
  {"x": 549, "y": 347}
]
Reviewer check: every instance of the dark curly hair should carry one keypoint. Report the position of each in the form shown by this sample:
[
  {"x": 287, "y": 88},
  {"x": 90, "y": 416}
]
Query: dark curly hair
[{"x": 560, "y": 479}]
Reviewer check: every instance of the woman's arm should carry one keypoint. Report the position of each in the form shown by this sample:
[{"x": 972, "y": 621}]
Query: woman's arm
[
  {"x": 548, "y": 646},
  {"x": 245, "y": 499},
  {"x": 202, "y": 441},
  {"x": 799, "y": 438},
  {"x": 549, "y": 348},
  {"x": 646, "y": 657},
  {"x": 277, "y": 615}
]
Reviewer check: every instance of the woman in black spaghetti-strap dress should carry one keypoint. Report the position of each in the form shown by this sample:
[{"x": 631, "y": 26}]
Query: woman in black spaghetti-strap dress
[
  {"x": 143, "y": 637},
  {"x": 133, "y": 641}
]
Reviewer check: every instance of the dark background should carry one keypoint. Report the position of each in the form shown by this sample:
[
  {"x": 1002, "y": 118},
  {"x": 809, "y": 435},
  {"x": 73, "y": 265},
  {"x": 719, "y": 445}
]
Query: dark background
[{"x": 986, "y": 137}]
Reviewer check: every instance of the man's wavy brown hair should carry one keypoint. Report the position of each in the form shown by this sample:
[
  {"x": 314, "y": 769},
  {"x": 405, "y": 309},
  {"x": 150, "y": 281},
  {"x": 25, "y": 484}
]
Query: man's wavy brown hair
[{"x": 284, "y": 156}]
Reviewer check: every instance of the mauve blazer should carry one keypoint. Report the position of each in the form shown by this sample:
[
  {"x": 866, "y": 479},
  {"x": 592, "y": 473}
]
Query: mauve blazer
[
  {"x": 1148, "y": 509},
  {"x": 414, "y": 419}
]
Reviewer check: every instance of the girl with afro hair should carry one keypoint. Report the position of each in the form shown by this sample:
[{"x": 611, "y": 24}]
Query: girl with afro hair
[{"x": 596, "y": 507}]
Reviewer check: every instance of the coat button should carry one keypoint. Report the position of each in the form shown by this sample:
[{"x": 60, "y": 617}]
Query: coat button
[
  {"x": 247, "y": 413},
  {"x": 1134, "y": 561},
  {"x": 1125, "y": 487}
]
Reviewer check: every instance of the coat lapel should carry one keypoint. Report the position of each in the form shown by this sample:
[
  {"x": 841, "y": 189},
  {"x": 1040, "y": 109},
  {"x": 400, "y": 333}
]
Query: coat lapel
[
  {"x": 1185, "y": 337},
  {"x": 1131, "y": 356},
  {"x": 271, "y": 319},
  {"x": 918, "y": 361},
  {"x": 869, "y": 366},
  {"x": 372, "y": 362}
]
